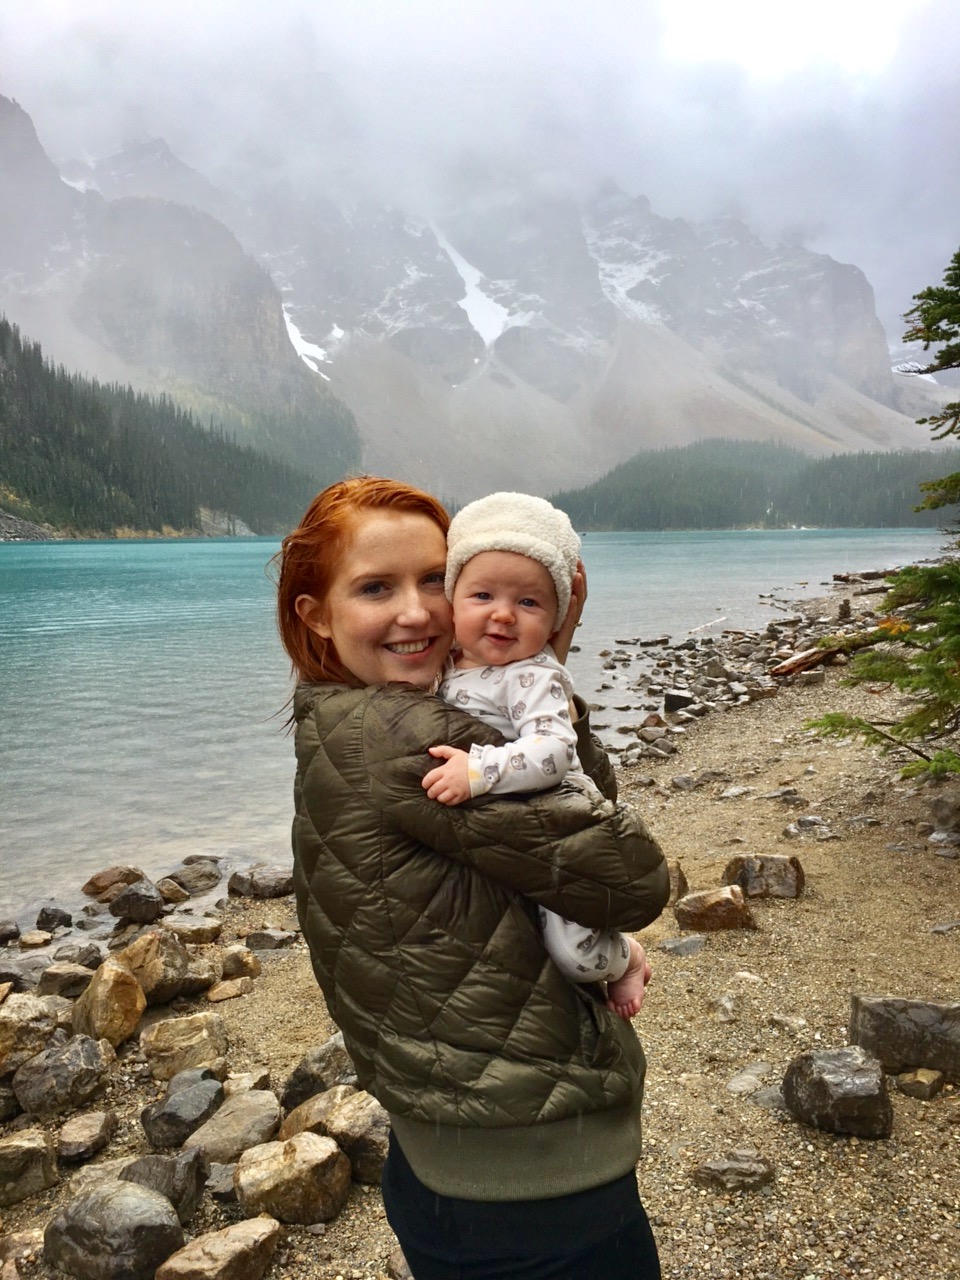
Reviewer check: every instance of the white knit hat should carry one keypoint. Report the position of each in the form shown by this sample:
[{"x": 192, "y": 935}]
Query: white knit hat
[{"x": 515, "y": 522}]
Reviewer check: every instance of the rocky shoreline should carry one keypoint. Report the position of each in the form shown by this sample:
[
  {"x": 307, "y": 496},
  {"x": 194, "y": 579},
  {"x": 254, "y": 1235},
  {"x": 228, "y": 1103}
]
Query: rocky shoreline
[{"x": 793, "y": 1126}]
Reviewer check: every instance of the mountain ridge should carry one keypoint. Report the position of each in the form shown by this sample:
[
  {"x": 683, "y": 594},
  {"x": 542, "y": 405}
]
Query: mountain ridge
[{"x": 607, "y": 329}]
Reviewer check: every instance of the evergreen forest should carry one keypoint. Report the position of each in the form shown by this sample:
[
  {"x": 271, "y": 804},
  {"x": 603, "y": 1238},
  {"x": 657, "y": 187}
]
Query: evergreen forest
[
  {"x": 92, "y": 459},
  {"x": 728, "y": 484}
]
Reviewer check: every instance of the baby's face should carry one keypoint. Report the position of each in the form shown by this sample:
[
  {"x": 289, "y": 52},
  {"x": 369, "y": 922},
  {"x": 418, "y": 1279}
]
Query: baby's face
[{"x": 504, "y": 608}]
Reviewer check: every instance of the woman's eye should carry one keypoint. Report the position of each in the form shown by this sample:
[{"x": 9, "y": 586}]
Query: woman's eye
[
  {"x": 434, "y": 579},
  {"x": 373, "y": 588}
]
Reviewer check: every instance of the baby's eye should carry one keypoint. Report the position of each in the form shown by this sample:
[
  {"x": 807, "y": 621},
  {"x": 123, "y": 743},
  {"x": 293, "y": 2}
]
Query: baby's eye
[
  {"x": 528, "y": 602},
  {"x": 481, "y": 595}
]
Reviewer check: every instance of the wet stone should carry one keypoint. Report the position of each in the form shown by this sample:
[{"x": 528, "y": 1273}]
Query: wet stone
[
  {"x": 169, "y": 1122},
  {"x": 906, "y": 1034},
  {"x": 141, "y": 903},
  {"x": 84, "y": 1135},
  {"x": 270, "y": 939},
  {"x": 318, "y": 1070},
  {"x": 28, "y": 1164},
  {"x": 839, "y": 1091},
  {"x": 64, "y": 1078},
  {"x": 180, "y": 1178},
  {"x": 87, "y": 954},
  {"x": 116, "y": 1231},
  {"x": 243, "y": 1121},
  {"x": 51, "y": 918},
  {"x": 262, "y": 881},
  {"x": 243, "y": 1251},
  {"x": 743, "y": 1169},
  {"x": 9, "y": 932},
  {"x": 197, "y": 877},
  {"x": 60, "y": 979}
]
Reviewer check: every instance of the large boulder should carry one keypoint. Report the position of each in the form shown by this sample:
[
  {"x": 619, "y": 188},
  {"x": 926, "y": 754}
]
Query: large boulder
[
  {"x": 141, "y": 903},
  {"x": 245, "y": 1120},
  {"x": 111, "y": 880},
  {"x": 174, "y": 1044},
  {"x": 839, "y": 1091},
  {"x": 197, "y": 875},
  {"x": 63, "y": 1078},
  {"x": 64, "y": 979},
  {"x": 243, "y": 1251},
  {"x": 262, "y": 881},
  {"x": 28, "y": 1164},
  {"x": 27, "y": 1023},
  {"x": 771, "y": 875},
  {"x": 709, "y": 910},
  {"x": 304, "y": 1180},
  {"x": 112, "y": 1004},
  {"x": 116, "y": 1231},
  {"x": 160, "y": 963},
  {"x": 908, "y": 1033},
  {"x": 319, "y": 1069},
  {"x": 185, "y": 1107},
  {"x": 354, "y": 1119},
  {"x": 180, "y": 1178}
]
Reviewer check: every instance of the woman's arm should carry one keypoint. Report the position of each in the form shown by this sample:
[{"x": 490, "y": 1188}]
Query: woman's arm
[{"x": 567, "y": 849}]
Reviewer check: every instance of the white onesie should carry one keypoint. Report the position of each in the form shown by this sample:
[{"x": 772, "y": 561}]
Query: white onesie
[{"x": 528, "y": 702}]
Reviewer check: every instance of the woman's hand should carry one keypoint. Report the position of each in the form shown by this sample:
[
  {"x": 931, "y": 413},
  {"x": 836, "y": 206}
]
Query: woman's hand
[{"x": 562, "y": 638}]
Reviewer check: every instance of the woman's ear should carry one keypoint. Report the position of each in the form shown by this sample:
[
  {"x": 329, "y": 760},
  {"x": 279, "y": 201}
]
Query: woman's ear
[{"x": 312, "y": 614}]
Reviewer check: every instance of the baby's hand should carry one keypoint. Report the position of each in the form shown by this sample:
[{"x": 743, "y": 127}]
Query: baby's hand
[{"x": 449, "y": 783}]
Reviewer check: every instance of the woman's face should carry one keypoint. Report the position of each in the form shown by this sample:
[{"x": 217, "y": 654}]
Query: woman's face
[{"x": 386, "y": 613}]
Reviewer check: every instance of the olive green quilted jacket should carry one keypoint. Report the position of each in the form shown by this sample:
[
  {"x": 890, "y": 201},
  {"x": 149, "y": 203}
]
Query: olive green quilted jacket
[{"x": 424, "y": 938}]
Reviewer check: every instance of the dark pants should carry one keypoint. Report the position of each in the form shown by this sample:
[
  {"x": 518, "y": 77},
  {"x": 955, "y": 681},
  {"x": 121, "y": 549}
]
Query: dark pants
[{"x": 601, "y": 1234}]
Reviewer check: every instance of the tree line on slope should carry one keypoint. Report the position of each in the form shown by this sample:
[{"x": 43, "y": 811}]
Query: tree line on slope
[
  {"x": 723, "y": 484},
  {"x": 92, "y": 458}
]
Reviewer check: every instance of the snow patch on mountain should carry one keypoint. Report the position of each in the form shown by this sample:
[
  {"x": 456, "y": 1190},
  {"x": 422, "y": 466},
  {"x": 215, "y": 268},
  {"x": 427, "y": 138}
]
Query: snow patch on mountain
[{"x": 488, "y": 317}]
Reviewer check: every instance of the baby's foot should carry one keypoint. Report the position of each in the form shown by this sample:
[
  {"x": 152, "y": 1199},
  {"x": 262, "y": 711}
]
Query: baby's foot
[{"x": 625, "y": 994}]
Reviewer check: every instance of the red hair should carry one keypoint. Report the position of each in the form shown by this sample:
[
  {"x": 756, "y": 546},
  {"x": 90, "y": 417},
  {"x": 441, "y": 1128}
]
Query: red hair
[{"x": 310, "y": 556}]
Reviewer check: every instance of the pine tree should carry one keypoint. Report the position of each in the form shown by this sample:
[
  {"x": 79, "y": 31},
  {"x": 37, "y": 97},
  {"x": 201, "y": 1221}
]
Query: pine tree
[{"x": 916, "y": 647}]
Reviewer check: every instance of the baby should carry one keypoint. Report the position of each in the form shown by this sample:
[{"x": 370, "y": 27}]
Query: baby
[{"x": 510, "y": 565}]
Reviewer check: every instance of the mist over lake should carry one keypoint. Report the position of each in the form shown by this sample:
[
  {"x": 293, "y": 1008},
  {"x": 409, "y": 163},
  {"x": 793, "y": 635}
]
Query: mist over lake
[{"x": 143, "y": 684}]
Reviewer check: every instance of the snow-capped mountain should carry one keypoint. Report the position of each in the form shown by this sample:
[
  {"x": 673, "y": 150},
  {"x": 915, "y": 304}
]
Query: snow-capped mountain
[{"x": 511, "y": 335}]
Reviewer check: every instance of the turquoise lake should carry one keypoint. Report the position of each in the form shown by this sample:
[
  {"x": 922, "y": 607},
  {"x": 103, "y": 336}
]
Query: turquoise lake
[{"x": 142, "y": 684}]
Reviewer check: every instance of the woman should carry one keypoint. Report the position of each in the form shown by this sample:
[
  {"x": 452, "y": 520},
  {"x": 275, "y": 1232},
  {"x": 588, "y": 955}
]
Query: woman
[{"x": 514, "y": 1096}]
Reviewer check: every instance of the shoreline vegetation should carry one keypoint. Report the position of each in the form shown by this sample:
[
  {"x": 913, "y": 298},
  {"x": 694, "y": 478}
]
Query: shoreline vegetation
[{"x": 734, "y": 1182}]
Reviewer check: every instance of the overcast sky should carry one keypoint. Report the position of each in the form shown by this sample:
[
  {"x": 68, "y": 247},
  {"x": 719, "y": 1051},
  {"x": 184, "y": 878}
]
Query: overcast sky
[{"x": 833, "y": 121}]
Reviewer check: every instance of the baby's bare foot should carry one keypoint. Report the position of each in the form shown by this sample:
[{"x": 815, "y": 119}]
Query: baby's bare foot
[{"x": 625, "y": 994}]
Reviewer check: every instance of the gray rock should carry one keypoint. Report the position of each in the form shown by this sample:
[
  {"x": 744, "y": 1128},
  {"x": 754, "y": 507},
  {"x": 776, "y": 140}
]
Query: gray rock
[
  {"x": 270, "y": 939},
  {"x": 318, "y": 1070},
  {"x": 169, "y": 1122},
  {"x": 262, "y": 881},
  {"x": 839, "y": 1091},
  {"x": 677, "y": 699},
  {"x": 86, "y": 953},
  {"x": 242, "y": 1251},
  {"x": 197, "y": 877},
  {"x": 172, "y": 892},
  {"x": 9, "y": 1106},
  {"x": 63, "y": 1078},
  {"x": 60, "y": 979},
  {"x": 28, "y": 1164},
  {"x": 770, "y": 1098},
  {"x": 766, "y": 875},
  {"x": 51, "y": 918},
  {"x": 688, "y": 946},
  {"x": 84, "y": 1135},
  {"x": 141, "y": 902},
  {"x": 905, "y": 1034},
  {"x": 116, "y": 1231},
  {"x": 749, "y": 1079},
  {"x": 179, "y": 1178},
  {"x": 9, "y": 932},
  {"x": 195, "y": 930},
  {"x": 945, "y": 809},
  {"x": 743, "y": 1169},
  {"x": 243, "y": 1121}
]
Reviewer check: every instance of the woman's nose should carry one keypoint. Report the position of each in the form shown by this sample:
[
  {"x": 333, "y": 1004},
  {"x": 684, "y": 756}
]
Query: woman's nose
[{"x": 413, "y": 608}]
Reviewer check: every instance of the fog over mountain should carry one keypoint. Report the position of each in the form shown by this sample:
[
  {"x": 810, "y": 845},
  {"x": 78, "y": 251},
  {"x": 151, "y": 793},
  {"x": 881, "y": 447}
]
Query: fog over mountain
[{"x": 484, "y": 215}]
